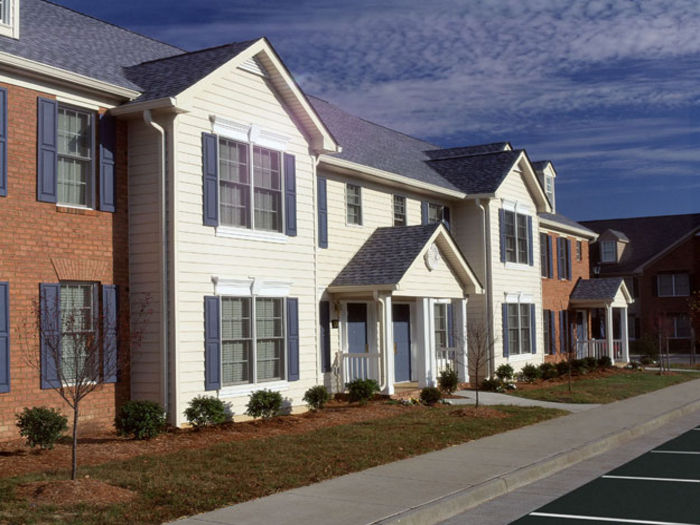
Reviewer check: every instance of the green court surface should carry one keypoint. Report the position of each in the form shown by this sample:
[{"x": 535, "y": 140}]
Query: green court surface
[{"x": 661, "y": 487}]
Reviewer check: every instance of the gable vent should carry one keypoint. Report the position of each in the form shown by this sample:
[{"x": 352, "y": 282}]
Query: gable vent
[{"x": 253, "y": 65}]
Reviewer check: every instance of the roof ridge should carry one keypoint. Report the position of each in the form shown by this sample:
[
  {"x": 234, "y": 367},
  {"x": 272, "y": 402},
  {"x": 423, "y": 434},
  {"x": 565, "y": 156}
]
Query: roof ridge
[
  {"x": 127, "y": 30},
  {"x": 189, "y": 53},
  {"x": 457, "y": 157},
  {"x": 643, "y": 217}
]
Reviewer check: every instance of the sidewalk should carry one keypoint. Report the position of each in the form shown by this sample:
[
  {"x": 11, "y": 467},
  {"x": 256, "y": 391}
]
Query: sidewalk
[
  {"x": 435, "y": 486},
  {"x": 494, "y": 398}
]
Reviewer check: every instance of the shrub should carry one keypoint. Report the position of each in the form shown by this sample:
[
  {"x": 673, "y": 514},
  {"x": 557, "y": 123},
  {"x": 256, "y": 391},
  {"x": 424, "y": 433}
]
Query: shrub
[
  {"x": 430, "y": 395},
  {"x": 140, "y": 419},
  {"x": 562, "y": 368},
  {"x": 205, "y": 410},
  {"x": 264, "y": 403},
  {"x": 448, "y": 380},
  {"x": 530, "y": 373},
  {"x": 316, "y": 397},
  {"x": 604, "y": 362},
  {"x": 578, "y": 367},
  {"x": 548, "y": 371},
  {"x": 362, "y": 390},
  {"x": 644, "y": 346},
  {"x": 646, "y": 360},
  {"x": 504, "y": 372},
  {"x": 490, "y": 385},
  {"x": 41, "y": 426},
  {"x": 590, "y": 362}
]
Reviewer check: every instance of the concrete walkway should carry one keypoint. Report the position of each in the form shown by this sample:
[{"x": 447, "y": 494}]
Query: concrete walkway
[
  {"x": 494, "y": 398},
  {"x": 430, "y": 488}
]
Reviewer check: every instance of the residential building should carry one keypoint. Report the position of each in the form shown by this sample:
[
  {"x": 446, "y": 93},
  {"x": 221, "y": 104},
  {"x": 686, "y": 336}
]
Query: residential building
[{"x": 659, "y": 259}]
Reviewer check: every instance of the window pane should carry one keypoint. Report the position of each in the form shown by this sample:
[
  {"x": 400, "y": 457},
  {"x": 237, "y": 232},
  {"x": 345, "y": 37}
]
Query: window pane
[
  {"x": 665, "y": 284},
  {"x": 353, "y": 202},
  {"x": 681, "y": 284},
  {"x": 235, "y": 339},
  {"x": 509, "y": 219},
  {"x": 399, "y": 210},
  {"x": 513, "y": 329},
  {"x": 269, "y": 345},
  {"x": 267, "y": 180},
  {"x": 434, "y": 213},
  {"x": 682, "y": 324},
  {"x": 525, "y": 329},
  {"x": 78, "y": 335},
  {"x": 522, "y": 239},
  {"x": 608, "y": 252},
  {"x": 440, "y": 319},
  {"x": 74, "y": 157}
]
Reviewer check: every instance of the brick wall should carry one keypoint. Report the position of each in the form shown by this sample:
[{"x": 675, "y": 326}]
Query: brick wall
[{"x": 41, "y": 242}]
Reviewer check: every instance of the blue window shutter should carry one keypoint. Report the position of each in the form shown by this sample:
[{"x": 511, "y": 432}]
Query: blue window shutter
[
  {"x": 108, "y": 149},
  {"x": 552, "y": 333},
  {"x": 502, "y": 232},
  {"x": 505, "y": 329},
  {"x": 322, "y": 213},
  {"x": 50, "y": 323},
  {"x": 325, "y": 335},
  {"x": 568, "y": 258},
  {"x": 110, "y": 314},
  {"x": 3, "y": 142},
  {"x": 424, "y": 212},
  {"x": 47, "y": 150},
  {"x": 551, "y": 258},
  {"x": 212, "y": 342},
  {"x": 450, "y": 326},
  {"x": 530, "y": 255},
  {"x": 210, "y": 167},
  {"x": 533, "y": 330},
  {"x": 292, "y": 339},
  {"x": 446, "y": 217},
  {"x": 290, "y": 195},
  {"x": 4, "y": 337}
]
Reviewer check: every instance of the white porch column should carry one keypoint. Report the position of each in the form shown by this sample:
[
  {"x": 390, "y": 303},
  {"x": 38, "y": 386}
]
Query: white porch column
[
  {"x": 462, "y": 357},
  {"x": 424, "y": 337},
  {"x": 624, "y": 335},
  {"x": 609, "y": 331},
  {"x": 388, "y": 344}
]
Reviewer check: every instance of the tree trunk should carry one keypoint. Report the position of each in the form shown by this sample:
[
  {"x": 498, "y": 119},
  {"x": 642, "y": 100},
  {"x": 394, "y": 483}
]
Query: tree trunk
[{"x": 74, "y": 463}]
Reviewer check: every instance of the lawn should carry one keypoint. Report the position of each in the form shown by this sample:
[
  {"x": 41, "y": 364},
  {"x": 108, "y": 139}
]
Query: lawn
[
  {"x": 194, "y": 481},
  {"x": 605, "y": 389}
]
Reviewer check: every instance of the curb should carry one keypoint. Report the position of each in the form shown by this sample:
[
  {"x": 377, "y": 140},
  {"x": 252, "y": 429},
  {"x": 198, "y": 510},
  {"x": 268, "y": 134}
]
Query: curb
[{"x": 450, "y": 505}]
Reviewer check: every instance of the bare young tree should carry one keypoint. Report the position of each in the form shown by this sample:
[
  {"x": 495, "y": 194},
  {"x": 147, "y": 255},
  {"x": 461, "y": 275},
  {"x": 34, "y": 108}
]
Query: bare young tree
[
  {"x": 480, "y": 344},
  {"x": 78, "y": 346}
]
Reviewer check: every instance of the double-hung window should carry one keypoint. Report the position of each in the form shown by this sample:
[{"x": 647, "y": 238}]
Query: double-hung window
[
  {"x": 435, "y": 213},
  {"x": 242, "y": 182},
  {"x": 353, "y": 203},
  {"x": 549, "y": 188},
  {"x": 516, "y": 237},
  {"x": 5, "y": 12},
  {"x": 78, "y": 330},
  {"x": 399, "y": 210},
  {"x": 673, "y": 284},
  {"x": 75, "y": 174},
  {"x": 252, "y": 339},
  {"x": 441, "y": 326},
  {"x": 519, "y": 326},
  {"x": 608, "y": 251}
]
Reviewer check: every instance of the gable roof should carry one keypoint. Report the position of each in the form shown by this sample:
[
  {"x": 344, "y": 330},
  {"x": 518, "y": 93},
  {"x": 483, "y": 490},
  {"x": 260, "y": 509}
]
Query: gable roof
[
  {"x": 65, "y": 39},
  {"x": 559, "y": 220},
  {"x": 618, "y": 235},
  {"x": 540, "y": 165},
  {"x": 648, "y": 237},
  {"x": 466, "y": 151},
  {"x": 482, "y": 173},
  {"x": 603, "y": 289}
]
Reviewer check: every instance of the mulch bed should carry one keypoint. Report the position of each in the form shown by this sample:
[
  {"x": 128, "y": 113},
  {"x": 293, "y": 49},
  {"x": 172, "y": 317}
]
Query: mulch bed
[{"x": 68, "y": 492}]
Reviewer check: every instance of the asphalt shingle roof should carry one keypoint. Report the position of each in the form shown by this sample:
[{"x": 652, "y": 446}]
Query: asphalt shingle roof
[
  {"x": 170, "y": 76},
  {"x": 648, "y": 236},
  {"x": 478, "y": 173},
  {"x": 597, "y": 289},
  {"x": 467, "y": 151},
  {"x": 561, "y": 219},
  {"x": 386, "y": 256},
  {"x": 540, "y": 165},
  {"x": 63, "y": 38}
]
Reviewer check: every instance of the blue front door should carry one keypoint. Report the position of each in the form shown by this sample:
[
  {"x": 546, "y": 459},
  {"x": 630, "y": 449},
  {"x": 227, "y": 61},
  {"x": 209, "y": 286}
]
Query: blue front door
[
  {"x": 357, "y": 328},
  {"x": 402, "y": 342}
]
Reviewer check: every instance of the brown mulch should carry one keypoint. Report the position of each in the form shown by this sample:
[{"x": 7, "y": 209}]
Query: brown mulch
[
  {"x": 68, "y": 492},
  {"x": 98, "y": 447},
  {"x": 479, "y": 413}
]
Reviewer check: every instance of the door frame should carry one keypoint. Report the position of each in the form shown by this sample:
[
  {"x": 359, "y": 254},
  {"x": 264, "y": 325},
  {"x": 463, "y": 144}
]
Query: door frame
[
  {"x": 411, "y": 371},
  {"x": 371, "y": 325}
]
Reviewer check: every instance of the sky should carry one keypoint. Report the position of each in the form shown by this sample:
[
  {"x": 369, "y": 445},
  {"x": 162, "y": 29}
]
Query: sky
[{"x": 609, "y": 91}]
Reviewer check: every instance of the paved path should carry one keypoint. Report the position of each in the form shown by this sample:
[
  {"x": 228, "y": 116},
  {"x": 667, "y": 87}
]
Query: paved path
[
  {"x": 436, "y": 486},
  {"x": 494, "y": 398}
]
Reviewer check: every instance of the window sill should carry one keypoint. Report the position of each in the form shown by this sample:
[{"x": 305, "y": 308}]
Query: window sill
[
  {"x": 518, "y": 266},
  {"x": 250, "y": 235},
  {"x": 75, "y": 210},
  {"x": 248, "y": 388}
]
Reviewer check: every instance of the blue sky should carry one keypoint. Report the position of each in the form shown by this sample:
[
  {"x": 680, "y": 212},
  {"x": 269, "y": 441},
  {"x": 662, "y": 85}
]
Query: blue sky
[{"x": 607, "y": 90}]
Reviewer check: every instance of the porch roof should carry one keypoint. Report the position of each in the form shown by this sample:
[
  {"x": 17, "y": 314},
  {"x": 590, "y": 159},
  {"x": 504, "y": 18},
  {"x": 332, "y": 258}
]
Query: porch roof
[
  {"x": 601, "y": 292},
  {"x": 385, "y": 258}
]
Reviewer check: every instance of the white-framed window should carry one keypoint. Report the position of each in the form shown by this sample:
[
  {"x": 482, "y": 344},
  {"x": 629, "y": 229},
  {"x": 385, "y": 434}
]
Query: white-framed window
[
  {"x": 673, "y": 284},
  {"x": 76, "y": 173},
  {"x": 608, "y": 251},
  {"x": 252, "y": 340},
  {"x": 549, "y": 188},
  {"x": 579, "y": 251},
  {"x": 516, "y": 237},
  {"x": 441, "y": 325},
  {"x": 435, "y": 213},
  {"x": 519, "y": 326},
  {"x": 353, "y": 203},
  {"x": 399, "y": 210},
  {"x": 5, "y": 15},
  {"x": 242, "y": 182},
  {"x": 78, "y": 326},
  {"x": 9, "y": 18}
]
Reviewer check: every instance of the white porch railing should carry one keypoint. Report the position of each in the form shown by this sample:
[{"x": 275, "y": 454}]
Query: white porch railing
[
  {"x": 358, "y": 366},
  {"x": 445, "y": 358},
  {"x": 598, "y": 348}
]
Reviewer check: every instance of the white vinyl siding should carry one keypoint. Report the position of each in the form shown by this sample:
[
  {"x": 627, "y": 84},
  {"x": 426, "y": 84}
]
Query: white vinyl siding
[
  {"x": 75, "y": 155},
  {"x": 673, "y": 284},
  {"x": 78, "y": 331},
  {"x": 353, "y": 203}
]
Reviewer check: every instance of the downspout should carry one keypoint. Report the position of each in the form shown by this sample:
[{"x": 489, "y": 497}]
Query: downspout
[
  {"x": 381, "y": 302},
  {"x": 148, "y": 119},
  {"x": 487, "y": 290},
  {"x": 315, "y": 159}
]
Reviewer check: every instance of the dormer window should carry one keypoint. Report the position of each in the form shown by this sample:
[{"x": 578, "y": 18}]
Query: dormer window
[
  {"x": 9, "y": 18},
  {"x": 549, "y": 188},
  {"x": 608, "y": 251}
]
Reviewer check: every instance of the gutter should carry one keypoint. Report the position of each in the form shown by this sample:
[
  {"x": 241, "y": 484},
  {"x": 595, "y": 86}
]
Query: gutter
[
  {"x": 558, "y": 226},
  {"x": 148, "y": 119}
]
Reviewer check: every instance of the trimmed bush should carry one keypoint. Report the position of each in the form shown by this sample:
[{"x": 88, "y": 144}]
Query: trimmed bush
[
  {"x": 205, "y": 410},
  {"x": 448, "y": 380},
  {"x": 140, "y": 419},
  {"x": 490, "y": 385},
  {"x": 548, "y": 371},
  {"x": 604, "y": 362},
  {"x": 578, "y": 367},
  {"x": 41, "y": 426},
  {"x": 264, "y": 403},
  {"x": 645, "y": 346},
  {"x": 316, "y": 397},
  {"x": 646, "y": 360},
  {"x": 562, "y": 368},
  {"x": 362, "y": 390},
  {"x": 530, "y": 373},
  {"x": 590, "y": 363},
  {"x": 430, "y": 395},
  {"x": 504, "y": 372}
]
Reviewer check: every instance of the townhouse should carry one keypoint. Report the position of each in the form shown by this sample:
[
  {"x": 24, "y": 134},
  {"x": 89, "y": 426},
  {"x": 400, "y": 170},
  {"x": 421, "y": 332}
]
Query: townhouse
[{"x": 278, "y": 241}]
